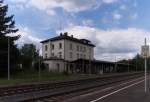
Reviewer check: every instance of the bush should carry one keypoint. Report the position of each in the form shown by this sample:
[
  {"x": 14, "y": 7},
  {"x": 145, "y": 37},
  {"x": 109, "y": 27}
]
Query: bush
[
  {"x": 42, "y": 66},
  {"x": 65, "y": 73}
]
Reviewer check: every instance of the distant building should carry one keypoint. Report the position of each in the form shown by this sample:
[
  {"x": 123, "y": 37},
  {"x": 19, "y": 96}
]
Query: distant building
[
  {"x": 59, "y": 52},
  {"x": 66, "y": 53}
]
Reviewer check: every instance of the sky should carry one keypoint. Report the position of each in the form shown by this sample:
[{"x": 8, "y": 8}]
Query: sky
[{"x": 116, "y": 27}]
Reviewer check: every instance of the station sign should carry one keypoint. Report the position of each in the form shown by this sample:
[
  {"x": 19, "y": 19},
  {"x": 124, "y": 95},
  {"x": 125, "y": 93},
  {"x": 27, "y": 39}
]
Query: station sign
[{"x": 145, "y": 51}]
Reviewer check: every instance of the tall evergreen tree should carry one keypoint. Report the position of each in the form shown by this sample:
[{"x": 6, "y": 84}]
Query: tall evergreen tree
[{"x": 7, "y": 28}]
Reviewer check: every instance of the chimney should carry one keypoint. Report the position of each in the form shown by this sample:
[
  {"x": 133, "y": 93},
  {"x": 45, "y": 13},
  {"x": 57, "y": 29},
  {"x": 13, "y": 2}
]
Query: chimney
[
  {"x": 61, "y": 34},
  {"x": 66, "y": 33},
  {"x": 72, "y": 36}
]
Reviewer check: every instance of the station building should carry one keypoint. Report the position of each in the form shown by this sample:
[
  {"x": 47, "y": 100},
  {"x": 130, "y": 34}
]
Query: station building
[{"x": 67, "y": 53}]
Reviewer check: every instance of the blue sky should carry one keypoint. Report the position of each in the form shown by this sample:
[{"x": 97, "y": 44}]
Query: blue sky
[{"x": 117, "y": 27}]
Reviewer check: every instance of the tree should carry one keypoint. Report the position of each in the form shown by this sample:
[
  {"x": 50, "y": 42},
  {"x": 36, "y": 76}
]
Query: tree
[
  {"x": 29, "y": 55},
  {"x": 7, "y": 28}
]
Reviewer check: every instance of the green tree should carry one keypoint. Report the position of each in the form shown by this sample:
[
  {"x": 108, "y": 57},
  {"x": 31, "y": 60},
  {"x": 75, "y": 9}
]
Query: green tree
[
  {"x": 138, "y": 61},
  {"x": 7, "y": 28},
  {"x": 29, "y": 55}
]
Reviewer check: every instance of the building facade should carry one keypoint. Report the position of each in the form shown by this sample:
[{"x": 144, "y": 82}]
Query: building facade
[{"x": 59, "y": 52}]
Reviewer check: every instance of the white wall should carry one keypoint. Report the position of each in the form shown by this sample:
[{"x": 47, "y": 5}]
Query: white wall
[
  {"x": 56, "y": 48},
  {"x": 87, "y": 53},
  {"x": 52, "y": 65}
]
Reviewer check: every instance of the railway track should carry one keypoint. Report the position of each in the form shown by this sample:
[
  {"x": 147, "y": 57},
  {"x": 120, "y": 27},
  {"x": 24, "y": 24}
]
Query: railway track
[{"x": 54, "y": 89}]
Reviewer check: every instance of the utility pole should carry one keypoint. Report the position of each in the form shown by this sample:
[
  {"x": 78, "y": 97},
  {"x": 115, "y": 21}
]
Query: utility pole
[
  {"x": 145, "y": 74},
  {"x": 136, "y": 63},
  {"x": 128, "y": 65},
  {"x": 39, "y": 65},
  {"x": 145, "y": 71},
  {"x": 8, "y": 73},
  {"x": 115, "y": 64}
]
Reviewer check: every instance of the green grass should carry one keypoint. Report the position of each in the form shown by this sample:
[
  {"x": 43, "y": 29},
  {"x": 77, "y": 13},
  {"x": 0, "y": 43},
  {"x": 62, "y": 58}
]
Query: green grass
[{"x": 32, "y": 76}]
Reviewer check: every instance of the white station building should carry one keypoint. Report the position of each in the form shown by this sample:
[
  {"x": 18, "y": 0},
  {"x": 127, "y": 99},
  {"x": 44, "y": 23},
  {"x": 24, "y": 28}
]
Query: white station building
[{"x": 60, "y": 51}]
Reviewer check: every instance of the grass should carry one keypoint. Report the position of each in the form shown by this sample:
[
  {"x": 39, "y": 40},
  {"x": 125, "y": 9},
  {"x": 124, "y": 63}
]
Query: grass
[
  {"x": 28, "y": 77},
  {"x": 32, "y": 77}
]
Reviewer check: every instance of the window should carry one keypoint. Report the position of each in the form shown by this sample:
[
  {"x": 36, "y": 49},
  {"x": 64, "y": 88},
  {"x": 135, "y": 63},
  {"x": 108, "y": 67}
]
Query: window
[
  {"x": 89, "y": 57},
  {"x": 45, "y": 47},
  {"x": 84, "y": 49},
  {"x": 70, "y": 54},
  {"x": 46, "y": 55},
  {"x": 80, "y": 55},
  {"x": 90, "y": 50},
  {"x": 53, "y": 46},
  {"x": 71, "y": 47},
  {"x": 80, "y": 48},
  {"x": 60, "y": 45},
  {"x": 60, "y": 54},
  {"x": 77, "y": 48},
  {"x": 84, "y": 56},
  {"x": 58, "y": 66},
  {"x": 77, "y": 56},
  {"x": 52, "y": 54}
]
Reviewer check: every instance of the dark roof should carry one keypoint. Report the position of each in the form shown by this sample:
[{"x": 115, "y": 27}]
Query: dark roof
[
  {"x": 93, "y": 61},
  {"x": 71, "y": 38},
  {"x": 52, "y": 58},
  {"x": 98, "y": 62}
]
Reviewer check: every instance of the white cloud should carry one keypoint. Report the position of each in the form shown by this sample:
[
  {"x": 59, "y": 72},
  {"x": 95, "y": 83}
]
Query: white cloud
[
  {"x": 27, "y": 36},
  {"x": 109, "y": 1},
  {"x": 123, "y": 43},
  {"x": 18, "y": 1},
  {"x": 51, "y": 12},
  {"x": 87, "y": 22},
  {"x": 117, "y": 16},
  {"x": 68, "y": 5}
]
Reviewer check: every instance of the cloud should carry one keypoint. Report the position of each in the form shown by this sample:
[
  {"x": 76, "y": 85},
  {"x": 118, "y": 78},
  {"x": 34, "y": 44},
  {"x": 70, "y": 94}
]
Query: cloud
[
  {"x": 18, "y": 1},
  {"x": 51, "y": 12},
  {"x": 134, "y": 16},
  {"x": 123, "y": 43},
  {"x": 67, "y": 5},
  {"x": 117, "y": 16},
  {"x": 123, "y": 7},
  {"x": 27, "y": 36},
  {"x": 88, "y": 22},
  {"x": 135, "y": 3},
  {"x": 109, "y": 1}
]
